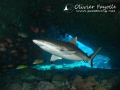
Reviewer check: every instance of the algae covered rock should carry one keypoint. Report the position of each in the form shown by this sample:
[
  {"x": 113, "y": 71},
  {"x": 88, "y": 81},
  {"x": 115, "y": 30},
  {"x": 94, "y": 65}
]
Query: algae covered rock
[
  {"x": 14, "y": 86},
  {"x": 30, "y": 78},
  {"x": 43, "y": 85},
  {"x": 76, "y": 81},
  {"x": 57, "y": 83},
  {"x": 99, "y": 88},
  {"x": 59, "y": 78},
  {"x": 28, "y": 86},
  {"x": 83, "y": 84},
  {"x": 90, "y": 79}
]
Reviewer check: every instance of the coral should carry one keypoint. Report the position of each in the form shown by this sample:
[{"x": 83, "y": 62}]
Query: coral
[
  {"x": 99, "y": 88},
  {"x": 43, "y": 85}
]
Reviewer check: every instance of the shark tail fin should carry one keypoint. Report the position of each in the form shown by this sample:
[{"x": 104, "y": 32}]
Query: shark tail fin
[{"x": 93, "y": 55}]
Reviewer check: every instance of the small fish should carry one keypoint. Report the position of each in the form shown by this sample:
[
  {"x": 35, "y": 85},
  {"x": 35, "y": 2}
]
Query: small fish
[
  {"x": 38, "y": 61},
  {"x": 8, "y": 40},
  {"x": 34, "y": 29},
  {"x": 13, "y": 51},
  {"x": 21, "y": 66},
  {"x": 2, "y": 49},
  {"x": 11, "y": 45},
  {"x": 3, "y": 44},
  {"x": 24, "y": 35}
]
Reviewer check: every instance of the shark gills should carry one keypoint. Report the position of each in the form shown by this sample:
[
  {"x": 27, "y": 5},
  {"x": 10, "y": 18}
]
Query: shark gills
[{"x": 66, "y": 50}]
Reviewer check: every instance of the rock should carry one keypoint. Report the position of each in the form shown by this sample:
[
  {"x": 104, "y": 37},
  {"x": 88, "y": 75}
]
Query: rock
[
  {"x": 30, "y": 78},
  {"x": 103, "y": 82},
  {"x": 14, "y": 86},
  {"x": 99, "y": 88},
  {"x": 59, "y": 78},
  {"x": 57, "y": 83},
  {"x": 90, "y": 79},
  {"x": 27, "y": 86},
  {"x": 64, "y": 88},
  {"x": 83, "y": 84},
  {"x": 76, "y": 81},
  {"x": 43, "y": 85},
  {"x": 48, "y": 76}
]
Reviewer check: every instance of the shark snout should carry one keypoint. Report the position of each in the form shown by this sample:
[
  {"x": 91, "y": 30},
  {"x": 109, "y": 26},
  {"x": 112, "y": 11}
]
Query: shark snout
[
  {"x": 38, "y": 42},
  {"x": 35, "y": 41}
]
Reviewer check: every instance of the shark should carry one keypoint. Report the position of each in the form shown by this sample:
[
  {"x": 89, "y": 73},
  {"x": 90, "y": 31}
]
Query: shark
[{"x": 66, "y": 50}]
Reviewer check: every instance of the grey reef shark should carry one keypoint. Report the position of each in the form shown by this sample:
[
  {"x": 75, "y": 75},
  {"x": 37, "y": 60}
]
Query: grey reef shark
[{"x": 66, "y": 50}]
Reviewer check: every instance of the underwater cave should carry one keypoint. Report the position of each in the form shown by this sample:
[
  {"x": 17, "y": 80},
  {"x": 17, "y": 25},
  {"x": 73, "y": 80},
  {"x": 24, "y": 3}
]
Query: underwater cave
[{"x": 85, "y": 57}]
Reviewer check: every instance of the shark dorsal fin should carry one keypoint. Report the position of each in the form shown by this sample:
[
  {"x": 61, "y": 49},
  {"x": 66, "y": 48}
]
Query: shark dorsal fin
[{"x": 73, "y": 41}]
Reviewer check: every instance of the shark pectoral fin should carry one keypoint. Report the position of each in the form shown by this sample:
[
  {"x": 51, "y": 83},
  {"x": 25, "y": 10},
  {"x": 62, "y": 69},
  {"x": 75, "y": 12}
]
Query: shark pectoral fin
[{"x": 54, "y": 58}]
